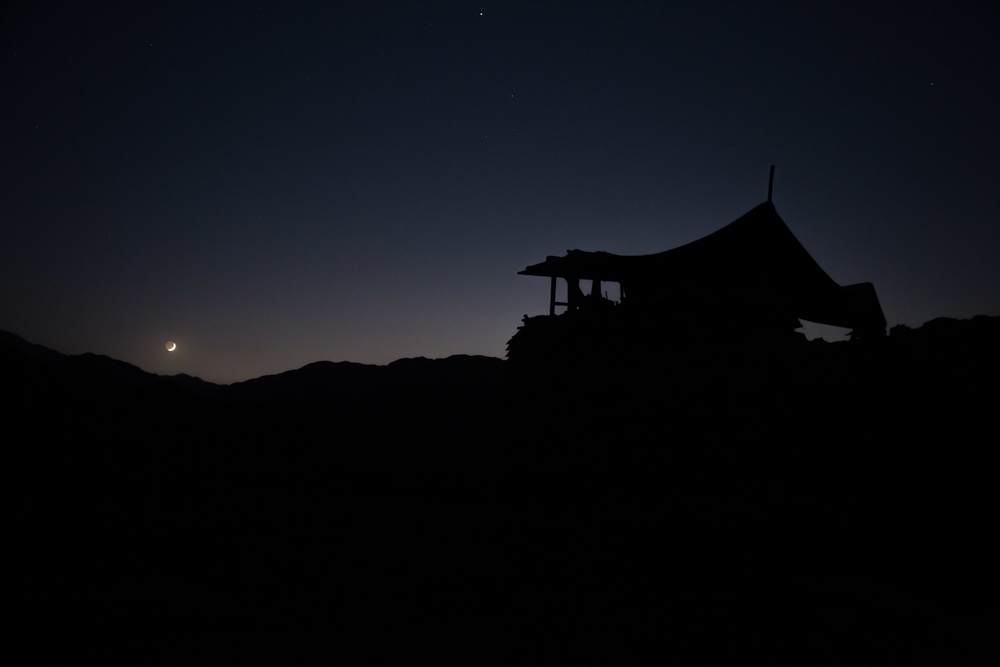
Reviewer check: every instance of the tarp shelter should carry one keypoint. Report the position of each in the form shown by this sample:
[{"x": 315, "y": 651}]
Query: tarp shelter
[{"x": 754, "y": 264}]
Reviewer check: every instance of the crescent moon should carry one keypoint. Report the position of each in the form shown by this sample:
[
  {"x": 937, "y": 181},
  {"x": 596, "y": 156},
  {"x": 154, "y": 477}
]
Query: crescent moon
[{"x": 171, "y": 346}]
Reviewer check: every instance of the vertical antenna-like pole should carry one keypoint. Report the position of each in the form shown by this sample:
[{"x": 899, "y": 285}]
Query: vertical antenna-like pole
[{"x": 770, "y": 185}]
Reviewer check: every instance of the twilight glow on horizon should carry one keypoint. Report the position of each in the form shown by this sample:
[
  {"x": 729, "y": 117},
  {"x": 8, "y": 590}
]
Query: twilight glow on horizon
[{"x": 264, "y": 185}]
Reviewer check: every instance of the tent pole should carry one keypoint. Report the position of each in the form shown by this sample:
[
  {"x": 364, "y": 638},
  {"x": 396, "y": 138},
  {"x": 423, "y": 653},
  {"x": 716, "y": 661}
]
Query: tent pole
[
  {"x": 552, "y": 296},
  {"x": 770, "y": 184}
]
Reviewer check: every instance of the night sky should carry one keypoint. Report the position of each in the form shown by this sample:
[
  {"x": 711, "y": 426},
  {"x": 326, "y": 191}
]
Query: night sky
[{"x": 275, "y": 183}]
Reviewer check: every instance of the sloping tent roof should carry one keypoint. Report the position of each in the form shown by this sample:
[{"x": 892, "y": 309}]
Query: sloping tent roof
[{"x": 756, "y": 256}]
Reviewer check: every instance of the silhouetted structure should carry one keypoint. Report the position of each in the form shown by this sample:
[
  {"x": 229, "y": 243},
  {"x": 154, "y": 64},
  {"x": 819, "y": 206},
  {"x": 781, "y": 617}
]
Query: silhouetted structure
[{"x": 751, "y": 272}]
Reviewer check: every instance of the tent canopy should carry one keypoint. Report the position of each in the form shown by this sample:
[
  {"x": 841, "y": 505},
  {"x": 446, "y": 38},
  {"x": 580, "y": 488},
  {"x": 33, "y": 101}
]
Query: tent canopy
[{"x": 755, "y": 260}]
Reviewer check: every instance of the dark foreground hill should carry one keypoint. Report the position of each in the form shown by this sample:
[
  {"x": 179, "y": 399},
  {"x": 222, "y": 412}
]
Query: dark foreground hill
[{"x": 823, "y": 503}]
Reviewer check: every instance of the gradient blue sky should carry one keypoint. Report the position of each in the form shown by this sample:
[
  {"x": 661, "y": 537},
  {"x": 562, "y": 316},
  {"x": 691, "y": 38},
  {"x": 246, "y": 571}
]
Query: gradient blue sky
[{"x": 274, "y": 183}]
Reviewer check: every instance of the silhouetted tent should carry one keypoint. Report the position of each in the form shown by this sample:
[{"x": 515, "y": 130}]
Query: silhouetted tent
[{"x": 753, "y": 269}]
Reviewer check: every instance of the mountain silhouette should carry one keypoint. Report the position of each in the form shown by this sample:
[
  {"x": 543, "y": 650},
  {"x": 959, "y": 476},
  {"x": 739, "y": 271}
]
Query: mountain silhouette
[{"x": 815, "y": 501}]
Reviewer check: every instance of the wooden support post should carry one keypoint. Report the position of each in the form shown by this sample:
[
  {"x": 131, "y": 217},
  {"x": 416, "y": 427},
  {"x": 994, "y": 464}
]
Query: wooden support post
[{"x": 552, "y": 297}]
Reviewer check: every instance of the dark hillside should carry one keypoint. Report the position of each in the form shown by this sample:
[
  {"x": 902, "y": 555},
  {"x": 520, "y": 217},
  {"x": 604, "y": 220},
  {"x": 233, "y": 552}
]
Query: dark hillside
[{"x": 825, "y": 501}]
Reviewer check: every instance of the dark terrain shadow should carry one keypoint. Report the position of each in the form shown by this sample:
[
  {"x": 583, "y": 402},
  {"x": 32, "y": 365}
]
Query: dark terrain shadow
[{"x": 694, "y": 499}]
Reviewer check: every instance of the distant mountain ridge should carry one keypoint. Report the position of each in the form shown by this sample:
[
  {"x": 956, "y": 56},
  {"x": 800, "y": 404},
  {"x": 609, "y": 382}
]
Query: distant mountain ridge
[
  {"x": 319, "y": 383},
  {"x": 32, "y": 370}
]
